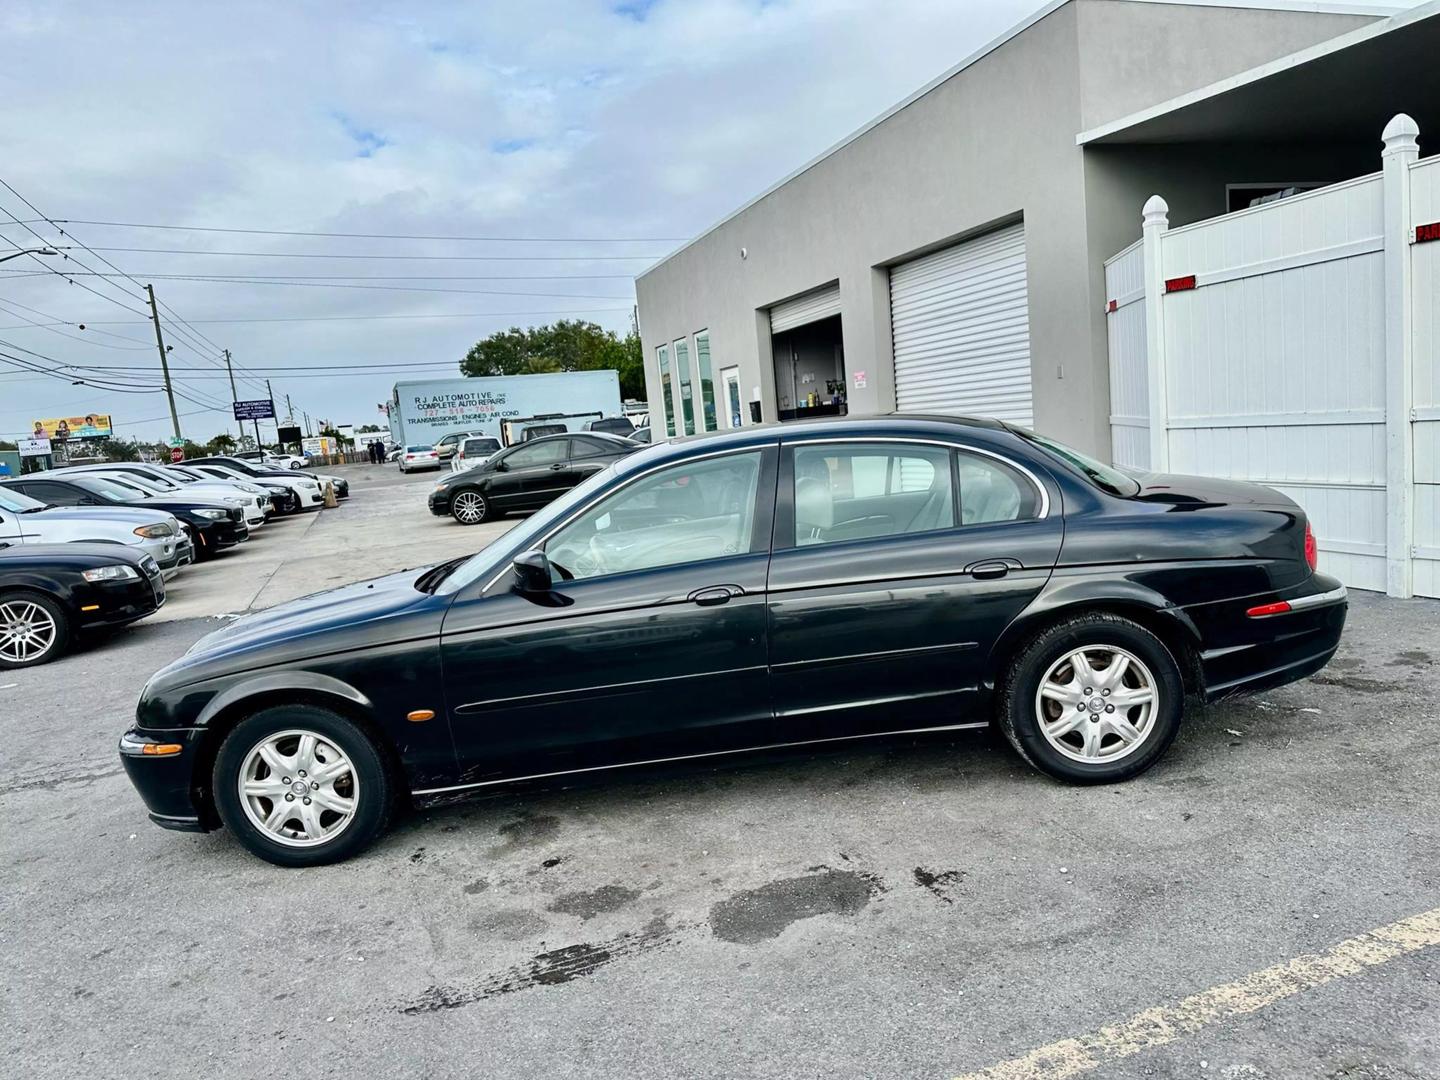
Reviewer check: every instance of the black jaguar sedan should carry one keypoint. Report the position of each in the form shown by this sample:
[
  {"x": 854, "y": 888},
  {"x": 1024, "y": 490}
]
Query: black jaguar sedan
[
  {"x": 770, "y": 587},
  {"x": 526, "y": 476},
  {"x": 50, "y": 594}
]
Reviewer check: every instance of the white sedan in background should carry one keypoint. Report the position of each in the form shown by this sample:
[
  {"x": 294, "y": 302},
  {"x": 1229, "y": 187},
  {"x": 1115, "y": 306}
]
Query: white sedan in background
[{"x": 419, "y": 457}]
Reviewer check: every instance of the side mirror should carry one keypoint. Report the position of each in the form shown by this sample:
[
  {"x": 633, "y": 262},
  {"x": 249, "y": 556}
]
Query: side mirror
[
  {"x": 500, "y": 466},
  {"x": 532, "y": 572}
]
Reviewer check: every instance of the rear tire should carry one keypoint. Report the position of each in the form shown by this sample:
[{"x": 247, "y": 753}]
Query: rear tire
[
  {"x": 1092, "y": 700},
  {"x": 302, "y": 786},
  {"x": 34, "y": 629}
]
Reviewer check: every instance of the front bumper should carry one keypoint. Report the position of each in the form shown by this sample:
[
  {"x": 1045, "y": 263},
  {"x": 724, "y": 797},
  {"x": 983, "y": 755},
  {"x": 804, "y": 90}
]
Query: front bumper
[
  {"x": 439, "y": 502},
  {"x": 166, "y": 783},
  {"x": 169, "y": 552},
  {"x": 115, "y": 603}
]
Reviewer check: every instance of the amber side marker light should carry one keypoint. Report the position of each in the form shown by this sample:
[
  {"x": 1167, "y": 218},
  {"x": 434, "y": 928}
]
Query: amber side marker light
[
  {"x": 419, "y": 716},
  {"x": 161, "y": 749},
  {"x": 91, "y": 607}
]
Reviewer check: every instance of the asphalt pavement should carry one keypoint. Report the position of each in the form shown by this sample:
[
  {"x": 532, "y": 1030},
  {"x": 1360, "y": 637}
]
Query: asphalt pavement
[{"x": 925, "y": 909}]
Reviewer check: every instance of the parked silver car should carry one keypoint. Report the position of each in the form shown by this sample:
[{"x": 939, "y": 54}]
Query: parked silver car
[{"x": 24, "y": 520}]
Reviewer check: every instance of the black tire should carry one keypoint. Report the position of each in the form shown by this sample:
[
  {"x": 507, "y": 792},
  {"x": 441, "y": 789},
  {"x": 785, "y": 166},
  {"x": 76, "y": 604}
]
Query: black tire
[
  {"x": 1019, "y": 708},
  {"x": 469, "y": 507},
  {"x": 61, "y": 637},
  {"x": 372, "y": 786}
]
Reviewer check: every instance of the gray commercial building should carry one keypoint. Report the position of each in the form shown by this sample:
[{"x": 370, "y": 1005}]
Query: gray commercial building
[{"x": 949, "y": 256}]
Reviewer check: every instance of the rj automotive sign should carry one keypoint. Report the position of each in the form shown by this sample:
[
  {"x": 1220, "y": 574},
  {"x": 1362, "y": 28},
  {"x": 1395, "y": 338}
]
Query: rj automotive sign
[
  {"x": 263, "y": 409},
  {"x": 428, "y": 410}
]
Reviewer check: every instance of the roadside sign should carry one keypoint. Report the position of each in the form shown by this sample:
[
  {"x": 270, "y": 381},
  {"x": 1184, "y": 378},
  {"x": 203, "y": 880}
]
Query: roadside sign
[
  {"x": 177, "y": 455},
  {"x": 264, "y": 409},
  {"x": 175, "y": 440},
  {"x": 33, "y": 447}
]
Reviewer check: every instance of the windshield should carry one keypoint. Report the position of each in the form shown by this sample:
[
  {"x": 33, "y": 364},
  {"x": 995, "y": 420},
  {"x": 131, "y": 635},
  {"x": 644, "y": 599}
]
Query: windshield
[
  {"x": 1097, "y": 472},
  {"x": 489, "y": 559},
  {"x": 481, "y": 446},
  {"x": 148, "y": 483},
  {"x": 123, "y": 484},
  {"x": 418, "y": 449},
  {"x": 158, "y": 480},
  {"x": 18, "y": 503},
  {"x": 106, "y": 489}
]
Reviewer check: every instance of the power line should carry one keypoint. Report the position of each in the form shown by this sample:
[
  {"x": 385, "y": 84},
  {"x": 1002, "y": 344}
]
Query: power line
[
  {"x": 393, "y": 288},
  {"x": 351, "y": 255},
  {"x": 370, "y": 318},
  {"x": 356, "y": 277},
  {"x": 381, "y": 236}
]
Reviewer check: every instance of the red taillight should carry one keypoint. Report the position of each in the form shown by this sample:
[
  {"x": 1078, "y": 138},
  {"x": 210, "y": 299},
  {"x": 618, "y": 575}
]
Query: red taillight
[
  {"x": 1312, "y": 554},
  {"x": 1280, "y": 607}
]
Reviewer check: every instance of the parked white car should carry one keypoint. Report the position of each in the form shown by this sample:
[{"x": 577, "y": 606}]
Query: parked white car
[
  {"x": 416, "y": 458},
  {"x": 307, "y": 492},
  {"x": 24, "y": 520},
  {"x": 152, "y": 479},
  {"x": 475, "y": 450}
]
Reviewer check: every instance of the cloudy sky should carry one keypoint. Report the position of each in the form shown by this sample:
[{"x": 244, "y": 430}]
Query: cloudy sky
[{"x": 609, "y": 128}]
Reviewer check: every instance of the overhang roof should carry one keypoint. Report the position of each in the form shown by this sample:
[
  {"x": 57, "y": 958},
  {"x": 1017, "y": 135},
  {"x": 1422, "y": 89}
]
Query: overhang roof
[{"x": 1344, "y": 88}]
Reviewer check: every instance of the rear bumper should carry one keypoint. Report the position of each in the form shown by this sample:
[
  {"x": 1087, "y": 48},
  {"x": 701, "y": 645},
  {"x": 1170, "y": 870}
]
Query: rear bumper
[
  {"x": 1246, "y": 654},
  {"x": 165, "y": 783}
]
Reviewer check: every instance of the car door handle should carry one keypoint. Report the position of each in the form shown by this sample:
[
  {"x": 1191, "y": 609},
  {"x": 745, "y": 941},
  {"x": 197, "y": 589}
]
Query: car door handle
[
  {"x": 557, "y": 466},
  {"x": 990, "y": 568},
  {"x": 715, "y": 594}
]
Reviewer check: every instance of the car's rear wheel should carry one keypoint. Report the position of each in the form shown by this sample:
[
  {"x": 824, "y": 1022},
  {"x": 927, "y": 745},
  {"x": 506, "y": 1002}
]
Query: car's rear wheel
[
  {"x": 469, "y": 507},
  {"x": 1095, "y": 699},
  {"x": 301, "y": 786},
  {"x": 34, "y": 629}
]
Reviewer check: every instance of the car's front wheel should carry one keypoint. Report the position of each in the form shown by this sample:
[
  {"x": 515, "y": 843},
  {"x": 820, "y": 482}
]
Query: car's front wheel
[
  {"x": 1094, "y": 699},
  {"x": 33, "y": 629},
  {"x": 469, "y": 507},
  {"x": 301, "y": 786}
]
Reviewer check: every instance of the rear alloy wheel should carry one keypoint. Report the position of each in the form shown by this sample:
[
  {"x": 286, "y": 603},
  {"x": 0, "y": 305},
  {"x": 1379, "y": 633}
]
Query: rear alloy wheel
[
  {"x": 301, "y": 786},
  {"x": 469, "y": 507},
  {"x": 33, "y": 630},
  {"x": 1095, "y": 699}
]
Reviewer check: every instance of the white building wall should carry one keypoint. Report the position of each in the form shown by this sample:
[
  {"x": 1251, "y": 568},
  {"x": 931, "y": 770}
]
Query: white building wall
[{"x": 1425, "y": 268}]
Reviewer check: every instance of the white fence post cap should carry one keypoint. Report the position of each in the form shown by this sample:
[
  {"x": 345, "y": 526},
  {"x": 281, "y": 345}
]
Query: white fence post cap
[
  {"x": 1401, "y": 133},
  {"x": 1156, "y": 212}
]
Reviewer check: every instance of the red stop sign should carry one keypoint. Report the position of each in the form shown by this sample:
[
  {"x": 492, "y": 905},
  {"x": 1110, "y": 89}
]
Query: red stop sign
[{"x": 177, "y": 454}]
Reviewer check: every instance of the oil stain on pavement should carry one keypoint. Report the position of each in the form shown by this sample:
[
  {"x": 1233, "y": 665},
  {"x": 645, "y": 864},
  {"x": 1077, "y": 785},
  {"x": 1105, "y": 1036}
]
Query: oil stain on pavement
[
  {"x": 757, "y": 915},
  {"x": 588, "y": 904}
]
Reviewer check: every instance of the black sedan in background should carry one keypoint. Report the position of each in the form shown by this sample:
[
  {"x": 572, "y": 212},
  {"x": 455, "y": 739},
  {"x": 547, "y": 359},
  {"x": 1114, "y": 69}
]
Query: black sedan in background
[
  {"x": 51, "y": 593},
  {"x": 770, "y": 587},
  {"x": 526, "y": 476},
  {"x": 214, "y": 526}
]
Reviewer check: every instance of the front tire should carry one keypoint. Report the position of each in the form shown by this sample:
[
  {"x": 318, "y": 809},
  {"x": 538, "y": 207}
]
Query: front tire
[
  {"x": 34, "y": 629},
  {"x": 469, "y": 507},
  {"x": 302, "y": 786},
  {"x": 1094, "y": 699}
]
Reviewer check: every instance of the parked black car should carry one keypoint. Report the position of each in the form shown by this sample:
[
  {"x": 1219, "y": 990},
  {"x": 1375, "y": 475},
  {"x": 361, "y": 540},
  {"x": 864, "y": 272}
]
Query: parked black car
[
  {"x": 214, "y": 526},
  {"x": 773, "y": 586},
  {"x": 52, "y": 593},
  {"x": 525, "y": 476}
]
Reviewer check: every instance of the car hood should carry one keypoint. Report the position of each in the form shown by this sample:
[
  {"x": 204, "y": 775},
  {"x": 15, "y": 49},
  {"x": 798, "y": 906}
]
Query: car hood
[
  {"x": 118, "y": 515},
  {"x": 312, "y": 616}
]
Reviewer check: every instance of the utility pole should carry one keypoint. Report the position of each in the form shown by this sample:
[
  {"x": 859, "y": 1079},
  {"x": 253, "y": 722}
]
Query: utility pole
[
  {"x": 307, "y": 424},
  {"x": 269, "y": 393},
  {"x": 164, "y": 363},
  {"x": 234, "y": 397},
  {"x": 289, "y": 412}
]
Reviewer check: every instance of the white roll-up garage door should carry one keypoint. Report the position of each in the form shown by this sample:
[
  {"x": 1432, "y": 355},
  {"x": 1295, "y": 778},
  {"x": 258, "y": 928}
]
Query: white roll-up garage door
[
  {"x": 812, "y": 307},
  {"x": 961, "y": 326}
]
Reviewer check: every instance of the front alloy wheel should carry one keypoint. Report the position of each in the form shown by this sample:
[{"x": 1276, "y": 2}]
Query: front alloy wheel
[
  {"x": 32, "y": 630},
  {"x": 468, "y": 507},
  {"x": 300, "y": 785}
]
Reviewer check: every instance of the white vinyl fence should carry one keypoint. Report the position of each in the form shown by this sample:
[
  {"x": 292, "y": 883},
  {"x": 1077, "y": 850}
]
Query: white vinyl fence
[{"x": 1295, "y": 344}]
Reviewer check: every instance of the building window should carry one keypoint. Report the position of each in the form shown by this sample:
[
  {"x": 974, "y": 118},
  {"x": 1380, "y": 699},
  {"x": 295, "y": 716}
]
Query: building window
[
  {"x": 708, "y": 419},
  {"x": 666, "y": 391},
  {"x": 682, "y": 375},
  {"x": 730, "y": 384}
]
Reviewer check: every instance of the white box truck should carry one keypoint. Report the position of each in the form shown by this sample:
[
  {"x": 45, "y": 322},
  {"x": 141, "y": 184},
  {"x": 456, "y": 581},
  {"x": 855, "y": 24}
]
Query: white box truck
[{"x": 425, "y": 412}]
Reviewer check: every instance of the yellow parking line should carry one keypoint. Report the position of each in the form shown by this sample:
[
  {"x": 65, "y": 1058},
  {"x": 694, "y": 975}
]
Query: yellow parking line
[{"x": 1167, "y": 1023}]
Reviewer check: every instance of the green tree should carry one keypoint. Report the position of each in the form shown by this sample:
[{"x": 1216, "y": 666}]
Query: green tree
[
  {"x": 113, "y": 449},
  {"x": 223, "y": 443},
  {"x": 567, "y": 345}
]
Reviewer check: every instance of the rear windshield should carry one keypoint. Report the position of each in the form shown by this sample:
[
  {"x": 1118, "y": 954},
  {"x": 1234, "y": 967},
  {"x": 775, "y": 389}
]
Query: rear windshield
[
  {"x": 418, "y": 449},
  {"x": 480, "y": 446},
  {"x": 1107, "y": 477}
]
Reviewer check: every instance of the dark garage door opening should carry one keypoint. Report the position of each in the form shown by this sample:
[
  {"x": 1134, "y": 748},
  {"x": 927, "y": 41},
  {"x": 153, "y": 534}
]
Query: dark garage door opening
[{"x": 810, "y": 370}]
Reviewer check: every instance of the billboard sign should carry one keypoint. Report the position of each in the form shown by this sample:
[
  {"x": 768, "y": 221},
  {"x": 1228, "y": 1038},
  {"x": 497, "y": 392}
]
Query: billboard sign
[
  {"x": 288, "y": 435},
  {"x": 33, "y": 447},
  {"x": 264, "y": 409},
  {"x": 90, "y": 426},
  {"x": 426, "y": 411}
]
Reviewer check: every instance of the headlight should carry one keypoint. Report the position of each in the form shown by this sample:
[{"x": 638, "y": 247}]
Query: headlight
[
  {"x": 110, "y": 573},
  {"x": 152, "y": 532},
  {"x": 213, "y": 515}
]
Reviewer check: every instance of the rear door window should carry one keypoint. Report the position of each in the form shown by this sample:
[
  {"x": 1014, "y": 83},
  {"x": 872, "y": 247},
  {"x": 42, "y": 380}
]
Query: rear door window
[{"x": 858, "y": 491}]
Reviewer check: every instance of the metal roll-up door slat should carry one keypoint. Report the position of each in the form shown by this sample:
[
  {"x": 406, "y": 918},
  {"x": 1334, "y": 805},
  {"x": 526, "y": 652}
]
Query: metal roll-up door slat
[
  {"x": 812, "y": 307},
  {"x": 961, "y": 329}
]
